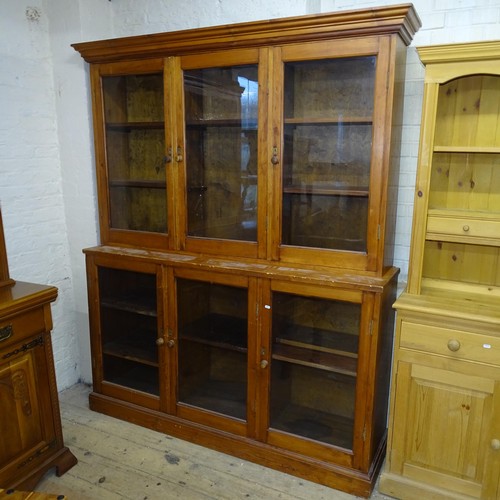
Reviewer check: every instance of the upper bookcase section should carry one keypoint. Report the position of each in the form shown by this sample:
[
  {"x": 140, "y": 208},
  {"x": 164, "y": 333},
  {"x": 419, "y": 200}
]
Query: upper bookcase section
[{"x": 273, "y": 140}]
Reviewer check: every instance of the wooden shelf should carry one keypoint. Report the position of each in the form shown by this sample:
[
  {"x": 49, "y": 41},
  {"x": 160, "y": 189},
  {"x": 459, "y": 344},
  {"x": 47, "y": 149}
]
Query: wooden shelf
[
  {"x": 464, "y": 213},
  {"x": 139, "y": 352},
  {"x": 137, "y": 304},
  {"x": 467, "y": 149},
  {"x": 250, "y": 124},
  {"x": 480, "y": 301},
  {"x": 327, "y": 191},
  {"x": 135, "y": 376},
  {"x": 137, "y": 183},
  {"x": 346, "y": 120},
  {"x": 326, "y": 341},
  {"x": 220, "y": 396},
  {"x": 315, "y": 359},
  {"x": 129, "y": 126},
  {"x": 314, "y": 424},
  {"x": 217, "y": 330}
]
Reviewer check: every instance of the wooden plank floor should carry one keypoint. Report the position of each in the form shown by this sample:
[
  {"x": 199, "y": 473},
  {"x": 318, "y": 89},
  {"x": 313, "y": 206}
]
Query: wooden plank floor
[{"x": 118, "y": 460}]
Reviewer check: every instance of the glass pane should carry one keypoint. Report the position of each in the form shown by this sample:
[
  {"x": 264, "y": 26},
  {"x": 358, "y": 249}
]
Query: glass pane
[
  {"x": 314, "y": 365},
  {"x": 212, "y": 323},
  {"x": 221, "y": 152},
  {"x": 129, "y": 329},
  {"x": 135, "y": 152},
  {"x": 328, "y": 106}
]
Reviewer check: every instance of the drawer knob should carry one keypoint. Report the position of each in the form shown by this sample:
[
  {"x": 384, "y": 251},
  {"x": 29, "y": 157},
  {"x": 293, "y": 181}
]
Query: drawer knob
[
  {"x": 453, "y": 345},
  {"x": 495, "y": 444},
  {"x": 264, "y": 363},
  {"x": 171, "y": 343},
  {"x": 160, "y": 341},
  {"x": 466, "y": 228}
]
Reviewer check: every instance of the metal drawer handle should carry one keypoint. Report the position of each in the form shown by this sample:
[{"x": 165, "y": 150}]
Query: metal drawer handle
[
  {"x": 6, "y": 332},
  {"x": 453, "y": 345},
  {"x": 466, "y": 228}
]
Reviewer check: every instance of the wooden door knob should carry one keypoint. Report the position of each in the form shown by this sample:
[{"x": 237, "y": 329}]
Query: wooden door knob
[
  {"x": 453, "y": 345},
  {"x": 171, "y": 343},
  {"x": 263, "y": 363}
]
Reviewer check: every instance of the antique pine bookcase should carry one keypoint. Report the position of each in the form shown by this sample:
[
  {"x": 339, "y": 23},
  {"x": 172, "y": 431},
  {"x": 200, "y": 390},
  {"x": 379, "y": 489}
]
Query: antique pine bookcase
[
  {"x": 241, "y": 295},
  {"x": 444, "y": 429}
]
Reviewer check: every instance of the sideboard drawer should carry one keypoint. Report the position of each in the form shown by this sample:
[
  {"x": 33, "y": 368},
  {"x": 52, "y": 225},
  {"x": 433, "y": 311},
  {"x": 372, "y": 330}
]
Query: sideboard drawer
[
  {"x": 21, "y": 326},
  {"x": 453, "y": 343}
]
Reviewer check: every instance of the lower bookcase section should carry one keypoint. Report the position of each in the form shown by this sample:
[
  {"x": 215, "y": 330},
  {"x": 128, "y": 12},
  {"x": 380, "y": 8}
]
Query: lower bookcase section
[
  {"x": 284, "y": 367},
  {"x": 324, "y": 472}
]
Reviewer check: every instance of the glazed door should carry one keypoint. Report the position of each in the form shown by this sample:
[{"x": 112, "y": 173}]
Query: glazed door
[
  {"x": 218, "y": 145},
  {"x": 215, "y": 326},
  {"x": 312, "y": 367},
  {"x": 128, "y": 332},
  {"x": 328, "y": 161},
  {"x": 133, "y": 153}
]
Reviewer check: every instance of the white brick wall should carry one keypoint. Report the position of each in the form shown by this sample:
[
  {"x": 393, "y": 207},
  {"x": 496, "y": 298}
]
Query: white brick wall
[
  {"x": 30, "y": 180},
  {"x": 46, "y": 173},
  {"x": 47, "y": 185}
]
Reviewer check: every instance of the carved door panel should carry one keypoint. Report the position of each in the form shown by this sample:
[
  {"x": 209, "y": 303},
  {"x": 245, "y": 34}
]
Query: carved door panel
[{"x": 26, "y": 434}]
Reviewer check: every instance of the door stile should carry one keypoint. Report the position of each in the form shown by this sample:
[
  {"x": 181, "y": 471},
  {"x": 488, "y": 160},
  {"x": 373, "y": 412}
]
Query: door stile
[
  {"x": 263, "y": 358},
  {"x": 253, "y": 408},
  {"x": 263, "y": 164},
  {"x": 367, "y": 355},
  {"x": 174, "y": 108},
  {"x": 274, "y": 159},
  {"x": 170, "y": 347}
]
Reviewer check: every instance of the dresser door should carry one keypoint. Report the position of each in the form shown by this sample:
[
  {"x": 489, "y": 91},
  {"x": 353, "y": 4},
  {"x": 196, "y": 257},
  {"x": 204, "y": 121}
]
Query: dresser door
[{"x": 447, "y": 429}]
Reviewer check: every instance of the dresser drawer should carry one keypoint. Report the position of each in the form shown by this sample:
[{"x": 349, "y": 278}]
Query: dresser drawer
[
  {"x": 453, "y": 343},
  {"x": 464, "y": 227},
  {"x": 21, "y": 326}
]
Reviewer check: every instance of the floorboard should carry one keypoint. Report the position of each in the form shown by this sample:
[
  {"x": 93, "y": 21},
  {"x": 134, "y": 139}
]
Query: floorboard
[{"x": 118, "y": 460}]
